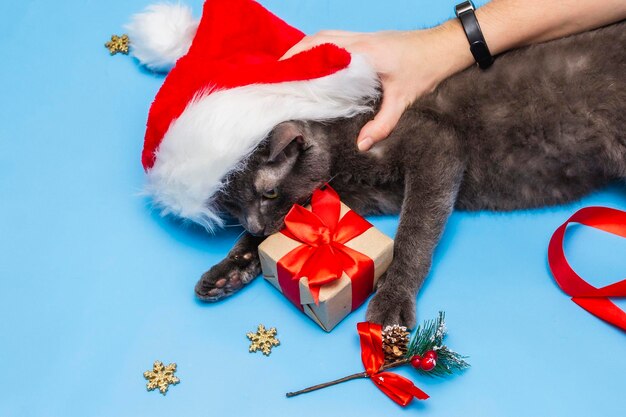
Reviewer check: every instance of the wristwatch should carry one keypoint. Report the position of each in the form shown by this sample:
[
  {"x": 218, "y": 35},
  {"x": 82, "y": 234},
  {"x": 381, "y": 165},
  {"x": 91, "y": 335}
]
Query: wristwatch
[{"x": 478, "y": 47}]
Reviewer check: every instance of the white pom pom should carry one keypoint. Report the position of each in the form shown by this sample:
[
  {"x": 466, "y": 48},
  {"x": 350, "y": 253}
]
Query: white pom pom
[{"x": 161, "y": 34}]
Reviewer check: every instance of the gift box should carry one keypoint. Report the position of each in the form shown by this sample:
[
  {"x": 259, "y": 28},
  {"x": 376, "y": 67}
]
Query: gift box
[{"x": 327, "y": 259}]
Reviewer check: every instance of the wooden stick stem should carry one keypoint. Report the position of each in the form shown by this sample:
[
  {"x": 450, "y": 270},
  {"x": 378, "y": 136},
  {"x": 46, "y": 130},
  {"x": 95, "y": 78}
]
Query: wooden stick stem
[{"x": 346, "y": 378}]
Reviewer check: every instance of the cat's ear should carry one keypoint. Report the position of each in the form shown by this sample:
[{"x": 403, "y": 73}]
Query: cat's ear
[{"x": 286, "y": 141}]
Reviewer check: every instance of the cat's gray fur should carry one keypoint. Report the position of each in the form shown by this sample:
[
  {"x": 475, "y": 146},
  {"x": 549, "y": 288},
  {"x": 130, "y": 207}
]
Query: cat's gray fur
[{"x": 543, "y": 126}]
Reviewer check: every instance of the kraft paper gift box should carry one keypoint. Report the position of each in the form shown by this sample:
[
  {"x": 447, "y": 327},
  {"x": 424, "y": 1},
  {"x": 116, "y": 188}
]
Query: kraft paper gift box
[{"x": 351, "y": 284}]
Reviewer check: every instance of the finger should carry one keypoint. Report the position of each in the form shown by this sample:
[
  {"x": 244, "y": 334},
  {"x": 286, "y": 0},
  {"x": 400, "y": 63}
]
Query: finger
[
  {"x": 337, "y": 33},
  {"x": 306, "y": 43},
  {"x": 382, "y": 125},
  {"x": 338, "y": 37}
]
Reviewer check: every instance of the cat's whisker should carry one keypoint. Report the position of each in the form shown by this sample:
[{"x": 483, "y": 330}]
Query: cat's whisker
[
  {"x": 333, "y": 177},
  {"x": 308, "y": 200}
]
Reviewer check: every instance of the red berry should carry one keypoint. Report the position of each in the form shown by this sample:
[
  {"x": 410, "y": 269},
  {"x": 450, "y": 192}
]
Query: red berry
[
  {"x": 431, "y": 354},
  {"x": 428, "y": 364},
  {"x": 416, "y": 361}
]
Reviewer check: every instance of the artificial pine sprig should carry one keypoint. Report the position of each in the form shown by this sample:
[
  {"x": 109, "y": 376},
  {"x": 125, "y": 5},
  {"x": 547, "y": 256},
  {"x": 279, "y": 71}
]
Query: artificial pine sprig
[{"x": 428, "y": 338}]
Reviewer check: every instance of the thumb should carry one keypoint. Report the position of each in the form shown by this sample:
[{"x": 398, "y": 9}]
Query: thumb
[{"x": 382, "y": 124}]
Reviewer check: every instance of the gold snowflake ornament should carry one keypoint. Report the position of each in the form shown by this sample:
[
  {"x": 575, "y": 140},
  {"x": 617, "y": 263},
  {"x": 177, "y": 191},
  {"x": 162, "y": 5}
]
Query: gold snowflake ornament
[
  {"x": 263, "y": 340},
  {"x": 118, "y": 44},
  {"x": 161, "y": 377}
]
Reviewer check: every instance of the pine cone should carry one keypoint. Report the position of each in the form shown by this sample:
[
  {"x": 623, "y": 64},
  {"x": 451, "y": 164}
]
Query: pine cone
[{"x": 395, "y": 342}]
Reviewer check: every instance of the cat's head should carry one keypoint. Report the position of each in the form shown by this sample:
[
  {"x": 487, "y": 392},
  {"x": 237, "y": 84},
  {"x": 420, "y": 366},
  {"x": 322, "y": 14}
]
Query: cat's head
[{"x": 285, "y": 169}]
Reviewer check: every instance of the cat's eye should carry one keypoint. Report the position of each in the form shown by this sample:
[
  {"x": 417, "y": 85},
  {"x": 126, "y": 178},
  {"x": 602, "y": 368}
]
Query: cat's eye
[{"x": 271, "y": 194}]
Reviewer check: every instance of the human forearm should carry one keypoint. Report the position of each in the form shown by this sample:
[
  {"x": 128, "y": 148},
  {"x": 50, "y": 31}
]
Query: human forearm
[{"x": 508, "y": 24}]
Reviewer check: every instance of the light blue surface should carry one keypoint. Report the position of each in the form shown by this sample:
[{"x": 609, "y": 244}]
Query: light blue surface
[{"x": 94, "y": 286}]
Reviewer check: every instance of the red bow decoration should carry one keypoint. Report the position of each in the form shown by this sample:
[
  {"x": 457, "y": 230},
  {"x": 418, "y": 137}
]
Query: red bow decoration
[
  {"x": 396, "y": 387},
  {"x": 323, "y": 256},
  {"x": 594, "y": 300}
]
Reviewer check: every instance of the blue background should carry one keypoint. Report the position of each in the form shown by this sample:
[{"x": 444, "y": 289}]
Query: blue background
[{"x": 94, "y": 286}]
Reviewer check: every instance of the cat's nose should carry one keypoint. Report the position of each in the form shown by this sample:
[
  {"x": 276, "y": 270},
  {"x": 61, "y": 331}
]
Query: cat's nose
[
  {"x": 257, "y": 231},
  {"x": 254, "y": 226}
]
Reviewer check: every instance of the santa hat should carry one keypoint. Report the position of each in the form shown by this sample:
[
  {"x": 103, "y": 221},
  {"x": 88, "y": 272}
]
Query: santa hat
[{"x": 225, "y": 92}]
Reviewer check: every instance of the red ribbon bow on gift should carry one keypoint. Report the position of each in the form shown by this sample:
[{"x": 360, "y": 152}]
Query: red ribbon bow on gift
[
  {"x": 594, "y": 300},
  {"x": 323, "y": 256},
  {"x": 396, "y": 387}
]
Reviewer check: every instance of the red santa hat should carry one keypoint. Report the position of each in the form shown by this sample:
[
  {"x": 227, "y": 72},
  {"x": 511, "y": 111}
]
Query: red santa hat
[{"x": 225, "y": 92}]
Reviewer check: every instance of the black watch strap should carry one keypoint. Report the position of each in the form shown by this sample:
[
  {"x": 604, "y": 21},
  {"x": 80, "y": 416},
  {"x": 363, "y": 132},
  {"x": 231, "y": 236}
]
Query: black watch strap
[{"x": 478, "y": 47}]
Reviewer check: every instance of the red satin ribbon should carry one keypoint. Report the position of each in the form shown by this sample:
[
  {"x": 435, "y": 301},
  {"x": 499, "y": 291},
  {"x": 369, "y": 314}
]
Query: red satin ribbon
[
  {"x": 323, "y": 257},
  {"x": 594, "y": 300},
  {"x": 396, "y": 387}
]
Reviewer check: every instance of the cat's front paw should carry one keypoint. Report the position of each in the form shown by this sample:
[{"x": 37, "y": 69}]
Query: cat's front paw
[
  {"x": 391, "y": 306},
  {"x": 227, "y": 277}
]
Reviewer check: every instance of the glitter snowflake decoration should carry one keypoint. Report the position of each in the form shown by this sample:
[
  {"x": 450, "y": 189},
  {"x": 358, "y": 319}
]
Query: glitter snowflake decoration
[
  {"x": 161, "y": 377},
  {"x": 263, "y": 340},
  {"x": 118, "y": 44}
]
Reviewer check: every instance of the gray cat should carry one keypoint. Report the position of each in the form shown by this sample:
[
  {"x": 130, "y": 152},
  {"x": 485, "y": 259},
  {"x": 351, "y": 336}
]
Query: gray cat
[{"x": 543, "y": 126}]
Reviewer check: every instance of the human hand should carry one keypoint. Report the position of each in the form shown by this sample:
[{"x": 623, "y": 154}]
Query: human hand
[{"x": 409, "y": 64}]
